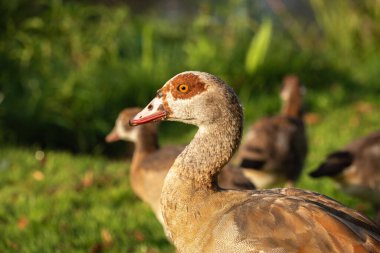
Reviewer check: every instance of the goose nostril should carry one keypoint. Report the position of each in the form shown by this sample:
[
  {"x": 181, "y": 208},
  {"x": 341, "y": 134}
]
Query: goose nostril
[{"x": 150, "y": 107}]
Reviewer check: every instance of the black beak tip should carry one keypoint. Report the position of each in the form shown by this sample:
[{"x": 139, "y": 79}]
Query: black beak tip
[{"x": 131, "y": 123}]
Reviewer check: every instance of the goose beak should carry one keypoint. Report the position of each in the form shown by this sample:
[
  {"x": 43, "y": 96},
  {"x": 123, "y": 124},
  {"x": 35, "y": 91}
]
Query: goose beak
[
  {"x": 154, "y": 111},
  {"x": 112, "y": 136}
]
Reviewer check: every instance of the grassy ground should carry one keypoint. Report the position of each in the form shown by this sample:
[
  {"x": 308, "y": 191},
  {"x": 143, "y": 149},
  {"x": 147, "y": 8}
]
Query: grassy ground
[
  {"x": 72, "y": 204},
  {"x": 69, "y": 203}
]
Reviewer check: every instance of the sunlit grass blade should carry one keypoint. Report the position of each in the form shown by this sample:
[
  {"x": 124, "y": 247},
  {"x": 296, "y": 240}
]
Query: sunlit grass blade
[{"x": 258, "y": 47}]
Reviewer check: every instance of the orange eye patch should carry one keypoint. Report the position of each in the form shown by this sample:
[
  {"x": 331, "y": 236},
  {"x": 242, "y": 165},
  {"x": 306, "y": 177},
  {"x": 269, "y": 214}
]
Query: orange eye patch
[
  {"x": 183, "y": 88},
  {"x": 187, "y": 85}
]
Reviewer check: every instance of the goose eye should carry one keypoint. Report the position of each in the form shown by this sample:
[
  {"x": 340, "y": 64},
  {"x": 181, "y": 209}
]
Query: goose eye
[{"x": 183, "y": 88}]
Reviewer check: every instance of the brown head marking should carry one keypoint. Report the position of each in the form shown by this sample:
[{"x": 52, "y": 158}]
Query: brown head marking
[
  {"x": 161, "y": 93},
  {"x": 185, "y": 86}
]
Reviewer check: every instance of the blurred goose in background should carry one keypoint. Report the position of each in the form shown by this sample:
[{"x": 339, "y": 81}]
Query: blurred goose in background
[
  {"x": 201, "y": 217},
  {"x": 150, "y": 163},
  {"x": 356, "y": 168},
  {"x": 274, "y": 149}
]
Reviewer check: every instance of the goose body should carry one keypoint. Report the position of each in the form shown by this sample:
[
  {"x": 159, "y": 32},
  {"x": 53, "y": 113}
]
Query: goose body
[
  {"x": 273, "y": 151},
  {"x": 356, "y": 168},
  {"x": 151, "y": 163},
  {"x": 201, "y": 217}
]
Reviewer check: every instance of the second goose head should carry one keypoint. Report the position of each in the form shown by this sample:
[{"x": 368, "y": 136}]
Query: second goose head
[{"x": 122, "y": 130}]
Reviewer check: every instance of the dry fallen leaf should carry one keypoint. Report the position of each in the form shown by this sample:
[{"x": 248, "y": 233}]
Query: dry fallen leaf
[
  {"x": 312, "y": 118},
  {"x": 13, "y": 245},
  {"x": 364, "y": 107},
  {"x": 101, "y": 246},
  {"x": 138, "y": 235},
  {"x": 38, "y": 175},
  {"x": 106, "y": 236},
  {"x": 88, "y": 179},
  {"x": 22, "y": 223}
]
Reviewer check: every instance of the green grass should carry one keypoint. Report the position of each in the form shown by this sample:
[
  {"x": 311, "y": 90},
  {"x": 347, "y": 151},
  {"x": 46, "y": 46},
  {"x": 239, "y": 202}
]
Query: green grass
[
  {"x": 85, "y": 204},
  {"x": 72, "y": 204}
]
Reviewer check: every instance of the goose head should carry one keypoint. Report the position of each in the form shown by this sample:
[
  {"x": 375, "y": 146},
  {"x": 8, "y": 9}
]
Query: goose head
[
  {"x": 292, "y": 94},
  {"x": 192, "y": 97},
  {"x": 291, "y": 88},
  {"x": 122, "y": 130}
]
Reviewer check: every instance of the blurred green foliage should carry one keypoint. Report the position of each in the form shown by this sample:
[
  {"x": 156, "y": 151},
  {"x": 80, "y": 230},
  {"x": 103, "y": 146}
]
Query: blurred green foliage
[
  {"x": 68, "y": 68},
  {"x": 258, "y": 47}
]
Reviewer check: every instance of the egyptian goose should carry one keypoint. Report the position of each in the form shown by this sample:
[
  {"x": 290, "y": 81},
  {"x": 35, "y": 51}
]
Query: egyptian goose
[
  {"x": 150, "y": 163},
  {"x": 201, "y": 217},
  {"x": 356, "y": 168},
  {"x": 274, "y": 150}
]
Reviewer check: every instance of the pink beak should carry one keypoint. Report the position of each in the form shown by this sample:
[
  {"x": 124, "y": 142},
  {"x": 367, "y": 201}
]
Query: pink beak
[
  {"x": 154, "y": 111},
  {"x": 112, "y": 136}
]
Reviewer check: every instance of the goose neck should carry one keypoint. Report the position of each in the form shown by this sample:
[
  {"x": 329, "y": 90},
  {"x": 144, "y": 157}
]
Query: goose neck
[
  {"x": 292, "y": 107},
  {"x": 145, "y": 144},
  {"x": 211, "y": 148}
]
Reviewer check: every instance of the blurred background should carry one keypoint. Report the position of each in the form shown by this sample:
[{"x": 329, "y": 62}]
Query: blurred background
[{"x": 69, "y": 67}]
